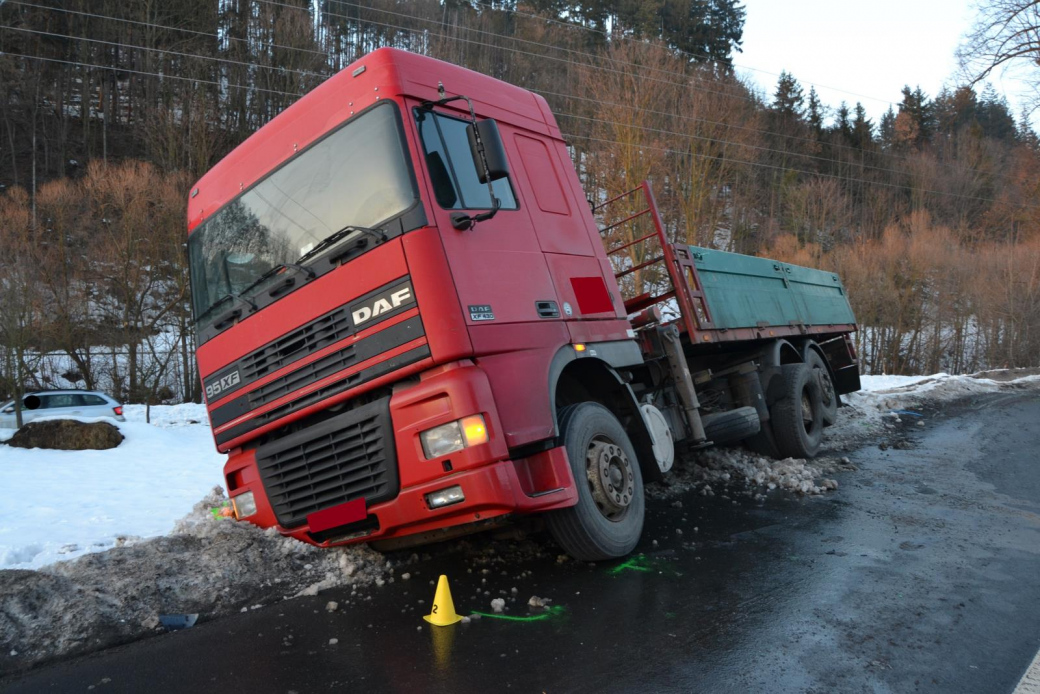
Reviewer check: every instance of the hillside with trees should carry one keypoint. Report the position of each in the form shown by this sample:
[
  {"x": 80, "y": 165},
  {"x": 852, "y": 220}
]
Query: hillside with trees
[{"x": 110, "y": 110}]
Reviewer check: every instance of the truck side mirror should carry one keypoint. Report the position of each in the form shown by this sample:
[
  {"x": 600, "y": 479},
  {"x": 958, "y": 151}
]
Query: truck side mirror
[{"x": 494, "y": 150}]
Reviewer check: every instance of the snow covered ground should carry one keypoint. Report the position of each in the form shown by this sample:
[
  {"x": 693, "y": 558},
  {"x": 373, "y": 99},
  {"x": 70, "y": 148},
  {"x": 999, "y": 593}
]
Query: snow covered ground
[
  {"x": 57, "y": 505},
  {"x": 62, "y": 504}
]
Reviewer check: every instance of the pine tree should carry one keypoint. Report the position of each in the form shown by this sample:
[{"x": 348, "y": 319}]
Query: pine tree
[
  {"x": 994, "y": 116},
  {"x": 843, "y": 124},
  {"x": 788, "y": 102},
  {"x": 887, "y": 129},
  {"x": 919, "y": 117},
  {"x": 862, "y": 128},
  {"x": 814, "y": 113}
]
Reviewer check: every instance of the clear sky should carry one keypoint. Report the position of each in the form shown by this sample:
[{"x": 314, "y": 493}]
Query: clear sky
[{"x": 868, "y": 48}]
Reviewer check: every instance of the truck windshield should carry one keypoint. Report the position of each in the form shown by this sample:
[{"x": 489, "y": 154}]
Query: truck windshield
[{"x": 359, "y": 175}]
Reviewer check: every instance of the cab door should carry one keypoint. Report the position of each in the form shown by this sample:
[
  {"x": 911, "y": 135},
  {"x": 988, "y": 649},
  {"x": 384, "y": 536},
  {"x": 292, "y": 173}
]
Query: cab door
[{"x": 498, "y": 267}]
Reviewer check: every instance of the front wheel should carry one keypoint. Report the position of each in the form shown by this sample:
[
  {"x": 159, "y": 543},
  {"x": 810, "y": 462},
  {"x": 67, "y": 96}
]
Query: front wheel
[{"x": 607, "y": 521}]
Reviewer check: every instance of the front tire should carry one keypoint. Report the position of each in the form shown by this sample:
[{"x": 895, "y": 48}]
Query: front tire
[{"x": 607, "y": 521}]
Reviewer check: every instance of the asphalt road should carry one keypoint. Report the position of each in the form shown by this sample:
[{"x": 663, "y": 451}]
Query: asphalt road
[{"x": 920, "y": 573}]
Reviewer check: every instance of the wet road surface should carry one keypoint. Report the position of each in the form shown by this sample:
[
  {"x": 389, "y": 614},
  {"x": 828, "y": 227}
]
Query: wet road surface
[{"x": 920, "y": 573}]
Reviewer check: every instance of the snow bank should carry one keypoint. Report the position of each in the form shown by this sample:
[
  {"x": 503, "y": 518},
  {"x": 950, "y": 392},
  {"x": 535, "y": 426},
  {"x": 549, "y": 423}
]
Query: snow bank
[
  {"x": 208, "y": 565},
  {"x": 187, "y": 414},
  {"x": 62, "y": 504}
]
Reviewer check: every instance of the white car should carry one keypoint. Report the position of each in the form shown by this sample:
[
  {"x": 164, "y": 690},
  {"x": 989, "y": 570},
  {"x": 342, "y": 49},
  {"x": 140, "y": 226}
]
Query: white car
[{"x": 58, "y": 403}]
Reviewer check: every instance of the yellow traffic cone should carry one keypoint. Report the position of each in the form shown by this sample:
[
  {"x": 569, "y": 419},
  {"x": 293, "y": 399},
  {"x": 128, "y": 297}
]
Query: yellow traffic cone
[{"x": 443, "y": 612}]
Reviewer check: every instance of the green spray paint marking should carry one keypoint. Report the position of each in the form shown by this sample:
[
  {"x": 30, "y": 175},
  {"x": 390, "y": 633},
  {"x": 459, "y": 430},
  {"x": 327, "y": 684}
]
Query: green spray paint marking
[
  {"x": 549, "y": 613},
  {"x": 636, "y": 563},
  {"x": 640, "y": 562}
]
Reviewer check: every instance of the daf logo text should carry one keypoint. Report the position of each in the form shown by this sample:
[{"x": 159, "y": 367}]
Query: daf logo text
[{"x": 382, "y": 304}]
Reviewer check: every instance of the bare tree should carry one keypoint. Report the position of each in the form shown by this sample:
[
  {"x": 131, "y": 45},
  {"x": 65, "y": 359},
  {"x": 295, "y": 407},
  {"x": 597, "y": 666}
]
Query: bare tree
[{"x": 1006, "y": 37}]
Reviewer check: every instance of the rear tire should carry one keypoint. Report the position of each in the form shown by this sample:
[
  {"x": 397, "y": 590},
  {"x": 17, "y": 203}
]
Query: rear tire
[
  {"x": 828, "y": 395},
  {"x": 731, "y": 426},
  {"x": 607, "y": 521},
  {"x": 798, "y": 416}
]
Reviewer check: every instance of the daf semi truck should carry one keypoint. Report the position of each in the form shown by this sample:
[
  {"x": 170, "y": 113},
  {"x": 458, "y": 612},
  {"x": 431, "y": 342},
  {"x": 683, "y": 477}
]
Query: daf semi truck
[{"x": 412, "y": 324}]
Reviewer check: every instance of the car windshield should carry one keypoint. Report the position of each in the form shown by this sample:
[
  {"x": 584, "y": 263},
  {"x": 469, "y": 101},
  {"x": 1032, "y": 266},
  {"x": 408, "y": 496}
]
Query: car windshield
[{"x": 359, "y": 175}]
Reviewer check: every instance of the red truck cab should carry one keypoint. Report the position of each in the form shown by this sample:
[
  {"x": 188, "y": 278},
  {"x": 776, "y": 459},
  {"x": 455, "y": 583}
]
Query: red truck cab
[{"x": 321, "y": 376}]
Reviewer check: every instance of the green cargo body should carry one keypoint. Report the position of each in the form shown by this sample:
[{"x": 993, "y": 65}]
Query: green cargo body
[{"x": 743, "y": 291}]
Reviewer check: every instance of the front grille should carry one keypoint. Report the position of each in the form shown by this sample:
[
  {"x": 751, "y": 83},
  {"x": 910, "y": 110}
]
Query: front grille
[
  {"x": 315, "y": 371},
  {"x": 344, "y": 458},
  {"x": 309, "y": 338}
]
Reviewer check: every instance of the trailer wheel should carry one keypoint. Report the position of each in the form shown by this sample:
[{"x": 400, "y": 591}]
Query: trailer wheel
[
  {"x": 607, "y": 521},
  {"x": 828, "y": 395},
  {"x": 798, "y": 416},
  {"x": 730, "y": 426}
]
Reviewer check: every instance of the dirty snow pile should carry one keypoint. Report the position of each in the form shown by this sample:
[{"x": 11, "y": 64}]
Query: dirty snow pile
[
  {"x": 873, "y": 413},
  {"x": 62, "y": 504},
  {"x": 729, "y": 472},
  {"x": 208, "y": 565}
]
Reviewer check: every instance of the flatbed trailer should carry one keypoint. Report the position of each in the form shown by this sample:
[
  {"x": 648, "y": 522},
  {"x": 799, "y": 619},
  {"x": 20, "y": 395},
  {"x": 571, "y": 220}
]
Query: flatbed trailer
[{"x": 411, "y": 325}]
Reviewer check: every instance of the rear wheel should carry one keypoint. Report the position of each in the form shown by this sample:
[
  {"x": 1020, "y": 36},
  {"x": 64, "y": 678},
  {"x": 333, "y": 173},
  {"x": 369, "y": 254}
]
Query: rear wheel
[
  {"x": 797, "y": 417},
  {"x": 607, "y": 521}
]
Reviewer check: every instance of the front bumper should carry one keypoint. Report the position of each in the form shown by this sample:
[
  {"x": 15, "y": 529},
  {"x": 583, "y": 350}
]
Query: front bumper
[{"x": 493, "y": 484}]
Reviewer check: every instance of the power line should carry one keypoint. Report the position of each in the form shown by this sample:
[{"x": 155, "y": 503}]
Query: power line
[
  {"x": 750, "y": 163},
  {"x": 517, "y": 39},
  {"x": 544, "y": 92},
  {"x": 847, "y": 179},
  {"x": 514, "y": 50},
  {"x": 152, "y": 74},
  {"x": 195, "y": 32},
  {"x": 701, "y": 56},
  {"x": 691, "y": 136},
  {"x": 163, "y": 50},
  {"x": 735, "y": 126},
  {"x": 584, "y": 65}
]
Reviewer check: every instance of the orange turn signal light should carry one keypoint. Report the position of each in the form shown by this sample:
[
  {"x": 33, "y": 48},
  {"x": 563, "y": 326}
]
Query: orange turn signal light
[
  {"x": 579, "y": 347},
  {"x": 474, "y": 430}
]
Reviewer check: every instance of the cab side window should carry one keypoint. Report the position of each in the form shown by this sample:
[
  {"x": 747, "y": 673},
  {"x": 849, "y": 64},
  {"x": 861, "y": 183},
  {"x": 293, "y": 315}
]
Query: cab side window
[{"x": 456, "y": 184}]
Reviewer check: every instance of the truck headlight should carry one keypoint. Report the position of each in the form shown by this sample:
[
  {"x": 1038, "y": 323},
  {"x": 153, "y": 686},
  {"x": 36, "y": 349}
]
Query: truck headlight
[
  {"x": 244, "y": 505},
  {"x": 454, "y": 436}
]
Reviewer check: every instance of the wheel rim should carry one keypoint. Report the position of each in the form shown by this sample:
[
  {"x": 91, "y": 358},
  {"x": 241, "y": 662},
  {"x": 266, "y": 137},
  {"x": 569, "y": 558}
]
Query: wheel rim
[
  {"x": 808, "y": 417},
  {"x": 610, "y": 476},
  {"x": 826, "y": 387}
]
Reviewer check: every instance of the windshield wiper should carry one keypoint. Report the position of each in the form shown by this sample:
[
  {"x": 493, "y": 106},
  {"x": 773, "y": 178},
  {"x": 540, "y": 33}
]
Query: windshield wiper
[
  {"x": 226, "y": 318},
  {"x": 333, "y": 239},
  {"x": 288, "y": 282}
]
